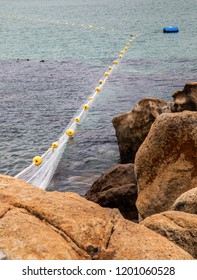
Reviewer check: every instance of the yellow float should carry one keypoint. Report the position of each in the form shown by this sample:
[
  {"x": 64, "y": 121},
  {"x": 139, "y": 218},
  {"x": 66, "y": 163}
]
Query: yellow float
[
  {"x": 86, "y": 106},
  {"x": 70, "y": 132},
  {"x": 37, "y": 160},
  {"x": 54, "y": 145},
  {"x": 77, "y": 119},
  {"x": 107, "y": 74},
  {"x": 97, "y": 89}
]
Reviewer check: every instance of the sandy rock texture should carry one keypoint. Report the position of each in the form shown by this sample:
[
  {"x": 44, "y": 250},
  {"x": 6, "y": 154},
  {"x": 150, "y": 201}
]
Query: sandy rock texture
[
  {"x": 166, "y": 164},
  {"x": 35, "y": 224},
  {"x": 187, "y": 202},
  {"x": 178, "y": 227}
]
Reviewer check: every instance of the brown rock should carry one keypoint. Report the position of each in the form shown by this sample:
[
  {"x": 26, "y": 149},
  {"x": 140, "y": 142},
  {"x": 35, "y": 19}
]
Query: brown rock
[
  {"x": 178, "y": 227},
  {"x": 185, "y": 99},
  {"x": 136, "y": 242},
  {"x": 187, "y": 202},
  {"x": 166, "y": 164},
  {"x": 116, "y": 188},
  {"x": 52, "y": 225},
  {"x": 133, "y": 127},
  {"x": 24, "y": 236}
]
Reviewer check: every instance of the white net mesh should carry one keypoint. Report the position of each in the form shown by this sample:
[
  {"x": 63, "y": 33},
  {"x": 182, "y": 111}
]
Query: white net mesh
[{"x": 42, "y": 169}]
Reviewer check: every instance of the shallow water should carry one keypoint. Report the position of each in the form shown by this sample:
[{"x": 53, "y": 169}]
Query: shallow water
[{"x": 38, "y": 99}]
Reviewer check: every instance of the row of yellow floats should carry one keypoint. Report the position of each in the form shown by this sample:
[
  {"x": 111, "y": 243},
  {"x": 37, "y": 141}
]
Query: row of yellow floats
[
  {"x": 47, "y": 21},
  {"x": 37, "y": 160}
]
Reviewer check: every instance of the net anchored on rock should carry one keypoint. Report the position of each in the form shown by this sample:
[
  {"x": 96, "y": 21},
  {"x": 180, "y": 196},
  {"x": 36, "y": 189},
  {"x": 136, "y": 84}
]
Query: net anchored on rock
[{"x": 43, "y": 167}]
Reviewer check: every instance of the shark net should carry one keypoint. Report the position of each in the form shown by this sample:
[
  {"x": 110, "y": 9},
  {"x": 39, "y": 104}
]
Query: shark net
[{"x": 40, "y": 172}]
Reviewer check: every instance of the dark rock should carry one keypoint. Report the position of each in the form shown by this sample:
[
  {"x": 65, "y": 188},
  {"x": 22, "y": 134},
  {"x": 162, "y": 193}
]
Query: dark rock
[
  {"x": 133, "y": 127},
  {"x": 116, "y": 188},
  {"x": 185, "y": 99}
]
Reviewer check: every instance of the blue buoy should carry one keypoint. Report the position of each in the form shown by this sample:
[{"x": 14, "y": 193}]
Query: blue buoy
[{"x": 170, "y": 29}]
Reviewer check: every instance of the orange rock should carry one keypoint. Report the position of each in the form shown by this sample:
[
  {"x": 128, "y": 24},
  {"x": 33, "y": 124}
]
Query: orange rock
[
  {"x": 36, "y": 224},
  {"x": 187, "y": 202},
  {"x": 178, "y": 227},
  {"x": 166, "y": 163},
  {"x": 136, "y": 242}
]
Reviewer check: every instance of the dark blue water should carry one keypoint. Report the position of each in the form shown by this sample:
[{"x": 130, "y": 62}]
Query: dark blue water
[{"x": 38, "y": 99}]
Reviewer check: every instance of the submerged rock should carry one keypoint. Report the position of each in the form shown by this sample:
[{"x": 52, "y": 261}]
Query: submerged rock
[
  {"x": 35, "y": 224},
  {"x": 133, "y": 127},
  {"x": 166, "y": 164},
  {"x": 116, "y": 188}
]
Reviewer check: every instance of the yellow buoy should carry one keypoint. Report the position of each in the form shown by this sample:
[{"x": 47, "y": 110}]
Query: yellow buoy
[
  {"x": 115, "y": 62},
  {"x": 91, "y": 98},
  {"x": 122, "y": 52},
  {"x": 110, "y": 68},
  {"x": 100, "y": 82},
  {"x": 86, "y": 106},
  {"x": 77, "y": 119},
  {"x": 131, "y": 35},
  {"x": 128, "y": 44},
  {"x": 54, "y": 145},
  {"x": 91, "y": 26},
  {"x": 126, "y": 48},
  {"x": 37, "y": 160},
  {"x": 70, "y": 132},
  {"x": 120, "y": 56},
  {"x": 107, "y": 74},
  {"x": 97, "y": 89}
]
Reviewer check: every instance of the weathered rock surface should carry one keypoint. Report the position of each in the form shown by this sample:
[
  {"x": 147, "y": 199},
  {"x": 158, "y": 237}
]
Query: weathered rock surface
[
  {"x": 133, "y": 127},
  {"x": 178, "y": 227},
  {"x": 166, "y": 164},
  {"x": 187, "y": 202},
  {"x": 132, "y": 241},
  {"x": 185, "y": 99},
  {"x": 116, "y": 188},
  {"x": 35, "y": 224}
]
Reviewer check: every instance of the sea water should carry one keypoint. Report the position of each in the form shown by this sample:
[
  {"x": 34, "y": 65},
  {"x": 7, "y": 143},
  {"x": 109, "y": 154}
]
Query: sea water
[{"x": 52, "y": 55}]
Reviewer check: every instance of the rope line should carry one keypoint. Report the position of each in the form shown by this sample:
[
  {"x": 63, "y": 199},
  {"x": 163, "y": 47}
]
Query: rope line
[
  {"x": 42, "y": 169},
  {"x": 52, "y": 21}
]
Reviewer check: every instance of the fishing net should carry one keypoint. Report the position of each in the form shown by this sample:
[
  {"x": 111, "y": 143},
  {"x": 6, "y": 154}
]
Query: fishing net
[{"x": 42, "y": 169}]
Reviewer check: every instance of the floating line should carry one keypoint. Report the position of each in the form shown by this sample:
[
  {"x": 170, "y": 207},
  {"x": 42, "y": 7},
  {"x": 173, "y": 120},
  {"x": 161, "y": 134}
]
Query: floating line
[
  {"x": 51, "y": 22},
  {"x": 43, "y": 167}
]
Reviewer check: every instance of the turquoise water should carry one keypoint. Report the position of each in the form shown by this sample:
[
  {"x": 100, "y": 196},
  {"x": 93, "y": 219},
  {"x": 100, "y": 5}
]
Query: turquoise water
[
  {"x": 78, "y": 40},
  {"x": 52, "y": 29}
]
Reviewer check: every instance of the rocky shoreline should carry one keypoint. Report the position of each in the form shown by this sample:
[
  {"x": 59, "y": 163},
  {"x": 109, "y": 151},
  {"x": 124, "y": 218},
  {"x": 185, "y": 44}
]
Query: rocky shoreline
[{"x": 142, "y": 209}]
